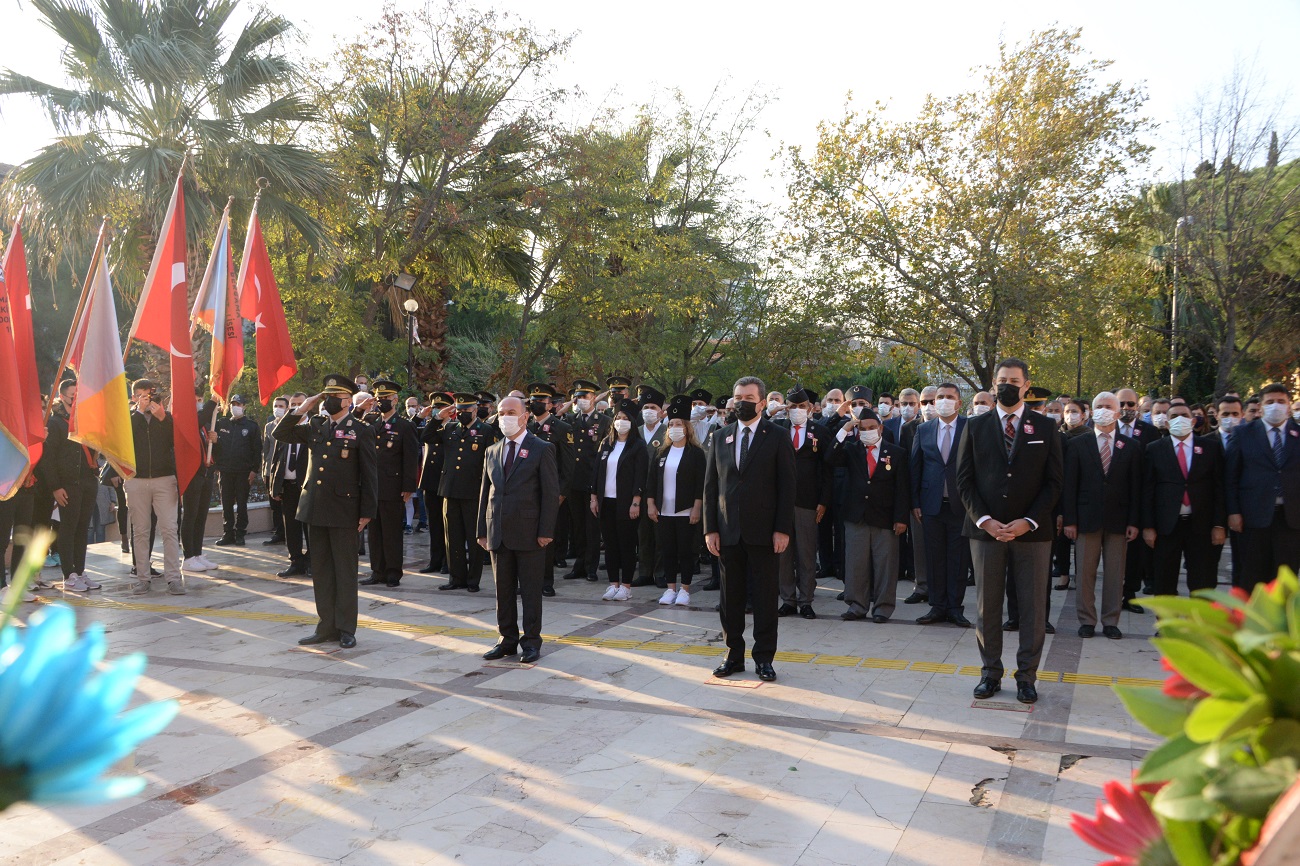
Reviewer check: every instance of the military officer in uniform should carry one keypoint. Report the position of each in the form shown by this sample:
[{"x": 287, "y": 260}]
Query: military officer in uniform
[
  {"x": 338, "y": 500},
  {"x": 618, "y": 389},
  {"x": 431, "y": 478},
  {"x": 487, "y": 406},
  {"x": 545, "y": 425},
  {"x": 398, "y": 459},
  {"x": 589, "y": 430},
  {"x": 653, "y": 431},
  {"x": 465, "y": 440}
]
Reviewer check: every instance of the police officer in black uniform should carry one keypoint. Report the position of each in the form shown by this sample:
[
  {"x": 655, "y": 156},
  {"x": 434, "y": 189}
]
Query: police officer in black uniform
[
  {"x": 550, "y": 428},
  {"x": 238, "y": 458},
  {"x": 465, "y": 440},
  {"x": 431, "y": 478},
  {"x": 589, "y": 430},
  {"x": 398, "y": 459},
  {"x": 338, "y": 500}
]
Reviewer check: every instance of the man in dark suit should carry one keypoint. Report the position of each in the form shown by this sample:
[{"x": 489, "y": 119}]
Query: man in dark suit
[
  {"x": 1229, "y": 417},
  {"x": 431, "y": 479},
  {"x": 399, "y": 475},
  {"x": 288, "y": 472},
  {"x": 1009, "y": 472},
  {"x": 547, "y": 427},
  {"x": 935, "y": 504},
  {"x": 812, "y": 497},
  {"x": 876, "y": 500},
  {"x": 749, "y": 487},
  {"x": 338, "y": 501},
  {"x": 517, "y": 505},
  {"x": 1264, "y": 488},
  {"x": 1138, "y": 568},
  {"x": 1184, "y": 508},
  {"x": 1101, "y": 510}
]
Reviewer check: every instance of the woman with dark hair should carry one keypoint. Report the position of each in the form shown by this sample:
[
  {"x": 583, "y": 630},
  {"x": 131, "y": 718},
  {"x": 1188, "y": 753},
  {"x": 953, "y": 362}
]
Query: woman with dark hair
[
  {"x": 617, "y": 486},
  {"x": 675, "y": 499}
]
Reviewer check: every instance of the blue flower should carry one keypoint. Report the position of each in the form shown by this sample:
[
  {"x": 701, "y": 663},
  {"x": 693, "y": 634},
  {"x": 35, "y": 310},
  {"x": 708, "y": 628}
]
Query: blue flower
[{"x": 60, "y": 727}]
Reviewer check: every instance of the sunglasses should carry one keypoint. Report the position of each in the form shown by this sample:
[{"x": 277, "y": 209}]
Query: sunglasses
[{"x": 1127, "y": 404}]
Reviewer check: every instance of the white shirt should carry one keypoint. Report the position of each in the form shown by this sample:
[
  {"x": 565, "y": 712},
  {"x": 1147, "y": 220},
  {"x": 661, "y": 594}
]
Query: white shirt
[
  {"x": 951, "y": 427},
  {"x": 1111, "y": 436},
  {"x": 670, "y": 506},
  {"x": 1003, "y": 415},
  {"x": 611, "y": 470},
  {"x": 290, "y": 473},
  {"x": 752, "y": 426},
  {"x": 648, "y": 433}
]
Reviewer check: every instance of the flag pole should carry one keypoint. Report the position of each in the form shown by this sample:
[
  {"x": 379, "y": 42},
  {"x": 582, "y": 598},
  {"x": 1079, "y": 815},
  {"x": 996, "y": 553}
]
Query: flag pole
[
  {"x": 76, "y": 318},
  {"x": 262, "y": 184}
]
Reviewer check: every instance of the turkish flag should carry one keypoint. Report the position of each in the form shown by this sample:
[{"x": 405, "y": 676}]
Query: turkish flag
[
  {"x": 259, "y": 302},
  {"x": 163, "y": 319},
  {"x": 20, "y": 322}
]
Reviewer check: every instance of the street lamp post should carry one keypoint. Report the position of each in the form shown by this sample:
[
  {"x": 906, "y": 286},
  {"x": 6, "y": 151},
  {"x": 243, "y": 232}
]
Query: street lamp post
[
  {"x": 1173, "y": 311},
  {"x": 410, "y": 306}
]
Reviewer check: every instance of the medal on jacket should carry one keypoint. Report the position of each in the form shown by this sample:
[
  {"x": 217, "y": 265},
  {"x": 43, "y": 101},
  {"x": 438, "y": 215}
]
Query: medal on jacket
[
  {"x": 474, "y": 447},
  {"x": 344, "y": 454}
]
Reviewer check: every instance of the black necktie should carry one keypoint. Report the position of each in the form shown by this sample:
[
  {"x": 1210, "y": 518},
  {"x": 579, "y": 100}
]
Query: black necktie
[
  {"x": 744, "y": 448},
  {"x": 1279, "y": 449},
  {"x": 510, "y": 457}
]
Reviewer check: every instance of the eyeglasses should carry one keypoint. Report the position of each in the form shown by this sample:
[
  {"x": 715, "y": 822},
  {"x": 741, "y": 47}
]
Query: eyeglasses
[
  {"x": 927, "y": 402},
  {"x": 1128, "y": 403}
]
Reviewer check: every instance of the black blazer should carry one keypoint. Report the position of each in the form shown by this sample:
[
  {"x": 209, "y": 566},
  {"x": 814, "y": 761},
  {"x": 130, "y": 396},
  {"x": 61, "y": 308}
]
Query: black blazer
[
  {"x": 517, "y": 509},
  {"x": 813, "y": 483},
  {"x": 1164, "y": 486},
  {"x": 1255, "y": 479},
  {"x": 1026, "y": 483},
  {"x": 629, "y": 481},
  {"x": 689, "y": 479},
  {"x": 398, "y": 456},
  {"x": 280, "y": 460},
  {"x": 748, "y": 506},
  {"x": 881, "y": 499},
  {"x": 1092, "y": 501}
]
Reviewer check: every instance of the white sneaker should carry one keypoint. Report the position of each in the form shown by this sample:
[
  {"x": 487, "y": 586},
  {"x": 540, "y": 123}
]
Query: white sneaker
[
  {"x": 28, "y": 597},
  {"x": 669, "y": 596},
  {"x": 74, "y": 583},
  {"x": 140, "y": 587},
  {"x": 610, "y": 593},
  {"x": 91, "y": 583},
  {"x": 623, "y": 593},
  {"x": 41, "y": 583},
  {"x": 176, "y": 587},
  {"x": 683, "y": 597},
  {"x": 194, "y": 564},
  {"x": 207, "y": 563}
]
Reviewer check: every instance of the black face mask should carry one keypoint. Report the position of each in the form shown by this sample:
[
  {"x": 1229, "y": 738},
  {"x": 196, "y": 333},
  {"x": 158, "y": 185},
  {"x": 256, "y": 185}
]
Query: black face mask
[
  {"x": 1008, "y": 394},
  {"x": 333, "y": 405},
  {"x": 746, "y": 411},
  {"x": 1128, "y": 416},
  {"x": 483, "y": 413},
  {"x": 538, "y": 407},
  {"x": 384, "y": 406},
  {"x": 730, "y": 417},
  {"x": 465, "y": 418}
]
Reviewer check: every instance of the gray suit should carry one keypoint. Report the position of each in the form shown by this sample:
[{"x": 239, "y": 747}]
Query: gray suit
[{"x": 513, "y": 512}]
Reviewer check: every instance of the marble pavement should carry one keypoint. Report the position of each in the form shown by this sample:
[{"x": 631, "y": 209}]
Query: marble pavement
[{"x": 617, "y": 748}]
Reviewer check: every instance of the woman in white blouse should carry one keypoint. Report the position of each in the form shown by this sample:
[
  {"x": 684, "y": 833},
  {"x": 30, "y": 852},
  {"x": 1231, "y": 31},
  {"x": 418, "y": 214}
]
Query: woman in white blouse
[
  {"x": 675, "y": 500},
  {"x": 617, "y": 487}
]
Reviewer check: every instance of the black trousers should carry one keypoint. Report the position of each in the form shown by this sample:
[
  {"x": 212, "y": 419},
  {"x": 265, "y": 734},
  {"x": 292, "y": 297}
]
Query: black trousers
[
  {"x": 234, "y": 502},
  {"x": 619, "y": 532},
  {"x": 830, "y": 532},
  {"x": 947, "y": 558},
  {"x": 277, "y": 518},
  {"x": 437, "y": 538},
  {"x": 750, "y": 575},
  {"x": 123, "y": 518},
  {"x": 518, "y": 573},
  {"x": 386, "y": 539},
  {"x": 1184, "y": 544},
  {"x": 563, "y": 533},
  {"x": 1267, "y": 550},
  {"x": 649, "y": 561},
  {"x": 586, "y": 534},
  {"x": 290, "y": 493},
  {"x": 334, "y": 578},
  {"x": 464, "y": 556},
  {"x": 194, "y": 513},
  {"x": 1137, "y": 568},
  {"x": 1061, "y": 549},
  {"x": 74, "y": 522},
  {"x": 15, "y": 520},
  {"x": 677, "y": 547}
]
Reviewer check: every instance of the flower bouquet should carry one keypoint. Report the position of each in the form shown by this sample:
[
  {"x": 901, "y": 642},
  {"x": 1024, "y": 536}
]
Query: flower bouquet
[
  {"x": 1222, "y": 788},
  {"x": 60, "y": 727}
]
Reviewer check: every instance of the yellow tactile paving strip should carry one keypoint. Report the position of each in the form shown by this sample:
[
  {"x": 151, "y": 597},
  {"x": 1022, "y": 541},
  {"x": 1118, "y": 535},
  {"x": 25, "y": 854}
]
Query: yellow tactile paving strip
[{"x": 919, "y": 667}]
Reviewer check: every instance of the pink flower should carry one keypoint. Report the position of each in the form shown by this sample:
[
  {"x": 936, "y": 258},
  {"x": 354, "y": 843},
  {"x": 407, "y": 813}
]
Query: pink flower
[
  {"x": 1125, "y": 826},
  {"x": 1177, "y": 686}
]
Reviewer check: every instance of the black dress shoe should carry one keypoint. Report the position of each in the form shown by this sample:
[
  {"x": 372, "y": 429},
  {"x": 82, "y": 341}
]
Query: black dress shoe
[
  {"x": 315, "y": 638},
  {"x": 548, "y": 592},
  {"x": 852, "y": 615},
  {"x": 987, "y": 688},
  {"x": 1086, "y": 631},
  {"x": 561, "y": 562},
  {"x": 529, "y": 656},
  {"x": 347, "y": 641},
  {"x": 573, "y": 575},
  {"x": 499, "y": 651},
  {"x": 274, "y": 539},
  {"x": 1061, "y": 586},
  {"x": 728, "y": 668},
  {"x": 428, "y": 569},
  {"x": 786, "y": 610},
  {"x": 959, "y": 619},
  {"x": 711, "y": 585},
  {"x": 1011, "y": 625},
  {"x": 916, "y": 598},
  {"x": 1112, "y": 632},
  {"x": 239, "y": 539},
  {"x": 372, "y": 580},
  {"x": 393, "y": 584},
  {"x": 292, "y": 571},
  {"x": 451, "y": 586},
  {"x": 593, "y": 577},
  {"x": 1134, "y": 608},
  {"x": 765, "y": 671},
  {"x": 1026, "y": 693},
  {"x": 880, "y": 619},
  {"x": 807, "y": 612},
  {"x": 840, "y": 597},
  {"x": 931, "y": 616},
  {"x": 225, "y": 541},
  {"x": 1049, "y": 628},
  {"x": 471, "y": 589},
  {"x": 642, "y": 581}
]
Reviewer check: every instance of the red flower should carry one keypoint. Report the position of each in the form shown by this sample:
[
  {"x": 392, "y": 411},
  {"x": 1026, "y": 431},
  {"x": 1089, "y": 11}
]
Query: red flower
[
  {"x": 1177, "y": 685},
  {"x": 1125, "y": 826},
  {"x": 1236, "y": 617}
]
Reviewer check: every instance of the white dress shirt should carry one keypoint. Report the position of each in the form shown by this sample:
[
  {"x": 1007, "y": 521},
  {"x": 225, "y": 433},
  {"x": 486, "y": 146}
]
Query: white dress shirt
[
  {"x": 752, "y": 426},
  {"x": 611, "y": 470},
  {"x": 670, "y": 506}
]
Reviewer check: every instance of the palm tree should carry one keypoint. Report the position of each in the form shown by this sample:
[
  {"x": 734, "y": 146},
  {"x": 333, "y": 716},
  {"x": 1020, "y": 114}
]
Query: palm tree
[{"x": 150, "y": 82}]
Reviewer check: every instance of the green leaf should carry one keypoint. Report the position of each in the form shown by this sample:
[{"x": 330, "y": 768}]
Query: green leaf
[
  {"x": 1279, "y": 740},
  {"x": 1220, "y": 718},
  {"x": 1206, "y": 669},
  {"x": 1251, "y": 791},
  {"x": 1177, "y": 757},
  {"x": 1187, "y": 840},
  {"x": 1154, "y": 710},
  {"x": 1181, "y": 800}
]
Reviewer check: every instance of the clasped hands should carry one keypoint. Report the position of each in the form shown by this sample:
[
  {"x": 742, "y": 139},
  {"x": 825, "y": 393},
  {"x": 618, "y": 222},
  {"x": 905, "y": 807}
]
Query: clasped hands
[{"x": 1006, "y": 531}]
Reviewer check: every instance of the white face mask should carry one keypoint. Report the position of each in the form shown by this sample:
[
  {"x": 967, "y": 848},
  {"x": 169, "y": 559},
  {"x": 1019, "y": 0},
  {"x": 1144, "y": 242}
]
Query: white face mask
[
  {"x": 200, "y": 405},
  {"x": 773, "y": 407},
  {"x": 980, "y": 409},
  {"x": 1180, "y": 426},
  {"x": 1295, "y": 414},
  {"x": 1074, "y": 419},
  {"x": 869, "y": 437},
  {"x": 830, "y": 407},
  {"x": 622, "y": 425},
  {"x": 676, "y": 434},
  {"x": 509, "y": 425},
  {"x": 584, "y": 405},
  {"x": 1103, "y": 417},
  {"x": 236, "y": 411},
  {"x": 798, "y": 417},
  {"x": 1227, "y": 422},
  {"x": 279, "y": 411},
  {"x": 363, "y": 388},
  {"x": 1161, "y": 420},
  {"x": 884, "y": 411},
  {"x": 928, "y": 412},
  {"x": 412, "y": 411},
  {"x": 650, "y": 417},
  {"x": 907, "y": 413},
  {"x": 698, "y": 412},
  {"x": 946, "y": 407},
  {"x": 1055, "y": 416},
  {"x": 1274, "y": 413}
]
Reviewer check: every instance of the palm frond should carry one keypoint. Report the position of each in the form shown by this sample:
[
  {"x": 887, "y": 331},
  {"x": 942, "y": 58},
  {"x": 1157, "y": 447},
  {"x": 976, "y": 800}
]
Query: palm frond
[{"x": 74, "y": 23}]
